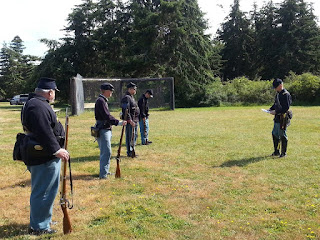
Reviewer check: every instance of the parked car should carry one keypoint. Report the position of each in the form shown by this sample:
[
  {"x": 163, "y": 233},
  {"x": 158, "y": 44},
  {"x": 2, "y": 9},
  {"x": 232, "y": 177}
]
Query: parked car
[{"x": 19, "y": 99}]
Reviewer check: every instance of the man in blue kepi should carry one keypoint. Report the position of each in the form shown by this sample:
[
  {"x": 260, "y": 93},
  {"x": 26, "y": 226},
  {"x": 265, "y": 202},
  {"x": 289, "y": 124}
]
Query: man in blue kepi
[
  {"x": 104, "y": 121},
  {"x": 40, "y": 123},
  {"x": 282, "y": 116}
]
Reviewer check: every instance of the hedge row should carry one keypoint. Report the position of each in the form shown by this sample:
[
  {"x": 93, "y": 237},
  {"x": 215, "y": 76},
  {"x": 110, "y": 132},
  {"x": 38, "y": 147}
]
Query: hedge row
[{"x": 304, "y": 89}]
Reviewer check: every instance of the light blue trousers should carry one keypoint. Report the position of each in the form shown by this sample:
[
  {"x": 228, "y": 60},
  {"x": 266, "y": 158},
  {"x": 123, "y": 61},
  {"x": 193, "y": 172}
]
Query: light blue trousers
[
  {"x": 104, "y": 141},
  {"x": 144, "y": 132},
  {"x": 45, "y": 179}
]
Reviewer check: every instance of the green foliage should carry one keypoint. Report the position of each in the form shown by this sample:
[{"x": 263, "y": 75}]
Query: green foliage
[
  {"x": 215, "y": 93},
  {"x": 252, "y": 92},
  {"x": 239, "y": 91},
  {"x": 237, "y": 37},
  {"x": 304, "y": 88},
  {"x": 138, "y": 39},
  {"x": 15, "y": 69},
  {"x": 161, "y": 38},
  {"x": 276, "y": 40}
]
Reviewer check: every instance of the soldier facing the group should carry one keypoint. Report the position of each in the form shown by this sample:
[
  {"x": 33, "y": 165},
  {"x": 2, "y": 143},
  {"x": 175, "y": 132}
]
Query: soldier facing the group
[{"x": 282, "y": 116}]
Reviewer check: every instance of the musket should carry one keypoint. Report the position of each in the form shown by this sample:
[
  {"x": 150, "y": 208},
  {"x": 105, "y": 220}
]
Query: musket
[
  {"x": 118, "y": 173},
  {"x": 64, "y": 202}
]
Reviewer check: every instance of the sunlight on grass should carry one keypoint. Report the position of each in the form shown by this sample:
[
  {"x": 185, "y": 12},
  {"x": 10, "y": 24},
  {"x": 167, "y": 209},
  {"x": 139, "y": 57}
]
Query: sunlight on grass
[{"x": 207, "y": 175}]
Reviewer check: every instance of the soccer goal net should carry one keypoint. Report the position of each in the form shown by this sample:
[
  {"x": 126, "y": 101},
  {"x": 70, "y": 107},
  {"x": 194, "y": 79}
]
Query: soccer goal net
[{"x": 84, "y": 92}]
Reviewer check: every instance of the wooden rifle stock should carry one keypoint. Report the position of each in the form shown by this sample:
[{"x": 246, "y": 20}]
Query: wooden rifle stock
[
  {"x": 63, "y": 199},
  {"x": 118, "y": 172}
]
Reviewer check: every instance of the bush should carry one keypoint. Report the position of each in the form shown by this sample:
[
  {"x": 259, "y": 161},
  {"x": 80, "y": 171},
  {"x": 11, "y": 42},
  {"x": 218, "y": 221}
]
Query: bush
[
  {"x": 252, "y": 92},
  {"x": 239, "y": 91},
  {"x": 214, "y": 93},
  {"x": 304, "y": 88}
]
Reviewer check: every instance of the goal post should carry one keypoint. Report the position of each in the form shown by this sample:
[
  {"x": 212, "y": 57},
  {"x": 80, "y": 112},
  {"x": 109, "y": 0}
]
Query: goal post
[{"x": 84, "y": 91}]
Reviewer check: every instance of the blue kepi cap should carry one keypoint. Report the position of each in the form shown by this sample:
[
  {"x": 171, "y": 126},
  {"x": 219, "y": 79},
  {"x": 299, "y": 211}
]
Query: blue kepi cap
[
  {"x": 132, "y": 85},
  {"x": 47, "y": 83},
  {"x": 107, "y": 86},
  {"x": 276, "y": 82}
]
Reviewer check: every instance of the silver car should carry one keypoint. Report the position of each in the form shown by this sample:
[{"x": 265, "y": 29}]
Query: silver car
[{"x": 19, "y": 99}]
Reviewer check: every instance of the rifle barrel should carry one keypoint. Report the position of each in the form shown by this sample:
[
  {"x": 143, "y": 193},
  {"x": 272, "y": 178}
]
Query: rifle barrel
[{"x": 63, "y": 200}]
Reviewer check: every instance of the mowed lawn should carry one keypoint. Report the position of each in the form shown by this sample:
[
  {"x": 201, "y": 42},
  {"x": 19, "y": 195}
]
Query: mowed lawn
[{"x": 207, "y": 175}]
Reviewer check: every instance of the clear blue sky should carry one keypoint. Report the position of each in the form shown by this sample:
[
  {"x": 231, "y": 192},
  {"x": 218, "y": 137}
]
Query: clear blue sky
[{"x": 36, "y": 19}]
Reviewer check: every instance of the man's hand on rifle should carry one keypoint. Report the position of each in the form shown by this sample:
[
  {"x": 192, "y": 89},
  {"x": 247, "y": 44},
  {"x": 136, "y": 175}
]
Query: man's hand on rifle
[
  {"x": 131, "y": 123},
  {"x": 122, "y": 123},
  {"x": 63, "y": 154}
]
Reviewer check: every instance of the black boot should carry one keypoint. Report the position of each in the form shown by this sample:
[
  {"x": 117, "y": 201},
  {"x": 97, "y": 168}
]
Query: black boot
[
  {"x": 276, "y": 146},
  {"x": 284, "y": 144}
]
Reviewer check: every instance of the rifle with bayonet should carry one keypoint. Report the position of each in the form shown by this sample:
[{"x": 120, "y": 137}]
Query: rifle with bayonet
[{"x": 64, "y": 202}]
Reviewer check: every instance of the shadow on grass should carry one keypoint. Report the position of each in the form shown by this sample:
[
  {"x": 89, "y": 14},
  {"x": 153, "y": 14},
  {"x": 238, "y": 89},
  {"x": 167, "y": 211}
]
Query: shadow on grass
[
  {"x": 85, "y": 159},
  {"x": 242, "y": 162},
  {"x": 13, "y": 230},
  {"x": 22, "y": 184},
  {"x": 91, "y": 177},
  {"x": 85, "y": 177}
]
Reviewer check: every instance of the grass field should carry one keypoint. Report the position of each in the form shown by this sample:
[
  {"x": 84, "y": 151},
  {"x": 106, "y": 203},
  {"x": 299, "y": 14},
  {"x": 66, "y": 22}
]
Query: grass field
[{"x": 208, "y": 175}]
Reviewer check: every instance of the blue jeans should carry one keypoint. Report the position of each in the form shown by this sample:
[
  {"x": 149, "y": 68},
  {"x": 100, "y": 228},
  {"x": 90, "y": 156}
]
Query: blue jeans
[
  {"x": 104, "y": 141},
  {"x": 129, "y": 137},
  {"x": 45, "y": 179},
  {"x": 278, "y": 132},
  {"x": 144, "y": 132}
]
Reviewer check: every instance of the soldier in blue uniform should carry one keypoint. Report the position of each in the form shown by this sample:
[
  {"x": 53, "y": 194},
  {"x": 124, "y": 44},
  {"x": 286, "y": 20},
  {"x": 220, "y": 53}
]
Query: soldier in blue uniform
[
  {"x": 282, "y": 116},
  {"x": 128, "y": 102},
  {"x": 40, "y": 122},
  {"x": 143, "y": 104},
  {"x": 104, "y": 121}
]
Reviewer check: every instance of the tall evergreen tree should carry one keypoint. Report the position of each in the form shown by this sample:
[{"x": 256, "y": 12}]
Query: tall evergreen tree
[
  {"x": 237, "y": 37},
  {"x": 299, "y": 38},
  {"x": 15, "y": 68},
  {"x": 82, "y": 46},
  {"x": 184, "y": 50},
  {"x": 141, "y": 38},
  {"x": 267, "y": 41},
  {"x": 142, "y": 34}
]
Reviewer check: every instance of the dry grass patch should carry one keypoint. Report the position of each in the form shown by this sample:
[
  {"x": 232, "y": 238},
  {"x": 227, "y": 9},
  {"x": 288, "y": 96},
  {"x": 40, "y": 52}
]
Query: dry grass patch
[{"x": 208, "y": 175}]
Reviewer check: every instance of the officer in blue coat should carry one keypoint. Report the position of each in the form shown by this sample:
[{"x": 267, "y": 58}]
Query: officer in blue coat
[
  {"x": 282, "y": 115},
  {"x": 40, "y": 122}
]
